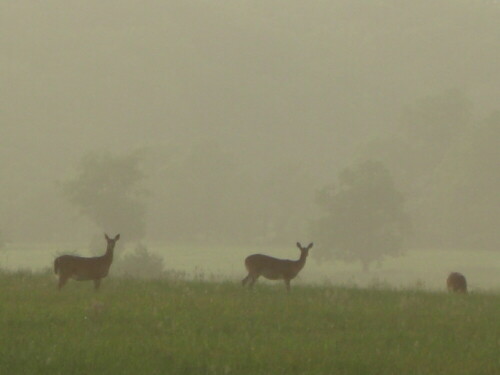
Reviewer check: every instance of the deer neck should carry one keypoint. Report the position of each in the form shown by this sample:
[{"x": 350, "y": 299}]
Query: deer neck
[
  {"x": 109, "y": 253},
  {"x": 301, "y": 262}
]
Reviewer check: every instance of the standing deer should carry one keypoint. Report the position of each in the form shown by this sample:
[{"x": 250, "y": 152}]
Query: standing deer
[
  {"x": 274, "y": 268},
  {"x": 456, "y": 283},
  {"x": 81, "y": 268}
]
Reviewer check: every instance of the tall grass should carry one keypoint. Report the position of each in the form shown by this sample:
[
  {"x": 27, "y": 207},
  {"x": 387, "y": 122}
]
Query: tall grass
[{"x": 196, "y": 327}]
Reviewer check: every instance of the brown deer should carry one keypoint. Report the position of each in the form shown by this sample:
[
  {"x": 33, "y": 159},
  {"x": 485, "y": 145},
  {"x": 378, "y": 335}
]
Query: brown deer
[
  {"x": 274, "y": 268},
  {"x": 81, "y": 268},
  {"x": 456, "y": 283}
]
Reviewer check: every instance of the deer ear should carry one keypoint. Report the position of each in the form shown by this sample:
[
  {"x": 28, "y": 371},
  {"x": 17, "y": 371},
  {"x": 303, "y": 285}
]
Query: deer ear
[
  {"x": 310, "y": 245},
  {"x": 117, "y": 237},
  {"x": 299, "y": 245},
  {"x": 106, "y": 236}
]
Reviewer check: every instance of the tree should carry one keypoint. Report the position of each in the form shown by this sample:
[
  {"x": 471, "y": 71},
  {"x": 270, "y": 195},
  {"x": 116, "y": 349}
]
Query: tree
[
  {"x": 364, "y": 217},
  {"x": 107, "y": 190},
  {"x": 427, "y": 129},
  {"x": 460, "y": 207},
  {"x": 141, "y": 263}
]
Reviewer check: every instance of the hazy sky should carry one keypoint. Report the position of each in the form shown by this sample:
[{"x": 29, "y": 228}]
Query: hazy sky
[{"x": 272, "y": 81}]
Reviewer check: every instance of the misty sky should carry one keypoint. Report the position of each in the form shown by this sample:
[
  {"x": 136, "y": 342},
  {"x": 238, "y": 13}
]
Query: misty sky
[{"x": 272, "y": 81}]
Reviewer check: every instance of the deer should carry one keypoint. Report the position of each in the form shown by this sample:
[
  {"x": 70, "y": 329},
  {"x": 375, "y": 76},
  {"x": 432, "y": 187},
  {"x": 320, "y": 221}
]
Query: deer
[
  {"x": 456, "y": 283},
  {"x": 82, "y": 268},
  {"x": 273, "y": 268}
]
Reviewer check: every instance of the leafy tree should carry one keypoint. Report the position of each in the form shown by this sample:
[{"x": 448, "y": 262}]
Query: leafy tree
[
  {"x": 364, "y": 217},
  {"x": 426, "y": 131},
  {"x": 107, "y": 190},
  {"x": 460, "y": 207}
]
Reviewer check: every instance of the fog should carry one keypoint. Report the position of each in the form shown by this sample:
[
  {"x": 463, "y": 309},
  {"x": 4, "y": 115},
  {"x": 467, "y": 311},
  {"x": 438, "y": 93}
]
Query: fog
[{"x": 232, "y": 116}]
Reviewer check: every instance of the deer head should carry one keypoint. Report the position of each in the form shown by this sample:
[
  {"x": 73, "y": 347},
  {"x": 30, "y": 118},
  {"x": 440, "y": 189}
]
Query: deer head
[
  {"x": 304, "y": 251},
  {"x": 111, "y": 241}
]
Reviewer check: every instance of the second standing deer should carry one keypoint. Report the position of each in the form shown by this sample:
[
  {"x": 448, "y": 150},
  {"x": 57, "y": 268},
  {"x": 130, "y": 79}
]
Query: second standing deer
[
  {"x": 274, "y": 268},
  {"x": 81, "y": 268}
]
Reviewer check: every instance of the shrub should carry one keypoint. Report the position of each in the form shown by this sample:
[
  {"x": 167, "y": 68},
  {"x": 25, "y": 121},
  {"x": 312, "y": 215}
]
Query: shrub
[{"x": 141, "y": 263}]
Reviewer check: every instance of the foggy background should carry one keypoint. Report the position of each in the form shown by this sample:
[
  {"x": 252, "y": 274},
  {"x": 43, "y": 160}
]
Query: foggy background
[{"x": 201, "y": 125}]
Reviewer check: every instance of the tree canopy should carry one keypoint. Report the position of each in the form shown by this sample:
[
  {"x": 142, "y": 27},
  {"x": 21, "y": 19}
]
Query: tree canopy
[
  {"x": 107, "y": 190},
  {"x": 364, "y": 218},
  {"x": 460, "y": 207}
]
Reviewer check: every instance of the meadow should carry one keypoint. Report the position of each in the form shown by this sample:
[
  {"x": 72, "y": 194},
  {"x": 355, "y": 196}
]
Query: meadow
[
  {"x": 419, "y": 268},
  {"x": 177, "y": 326}
]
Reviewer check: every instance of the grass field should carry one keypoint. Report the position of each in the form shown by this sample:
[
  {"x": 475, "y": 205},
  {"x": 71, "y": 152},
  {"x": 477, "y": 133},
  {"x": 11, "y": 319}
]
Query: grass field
[
  {"x": 425, "y": 268},
  {"x": 195, "y": 327}
]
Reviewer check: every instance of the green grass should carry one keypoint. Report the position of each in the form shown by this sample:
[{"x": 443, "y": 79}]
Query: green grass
[
  {"x": 194, "y": 327},
  {"x": 427, "y": 268}
]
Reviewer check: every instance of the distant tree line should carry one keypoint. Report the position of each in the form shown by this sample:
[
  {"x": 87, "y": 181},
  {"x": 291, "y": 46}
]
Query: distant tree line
[
  {"x": 446, "y": 163},
  {"x": 431, "y": 183}
]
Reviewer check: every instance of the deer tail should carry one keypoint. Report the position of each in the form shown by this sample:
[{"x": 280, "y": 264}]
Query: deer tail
[{"x": 56, "y": 266}]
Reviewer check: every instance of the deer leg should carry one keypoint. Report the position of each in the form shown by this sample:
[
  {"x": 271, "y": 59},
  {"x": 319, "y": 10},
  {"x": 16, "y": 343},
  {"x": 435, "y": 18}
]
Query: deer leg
[
  {"x": 245, "y": 280},
  {"x": 97, "y": 283},
  {"x": 287, "y": 284},
  {"x": 63, "y": 279},
  {"x": 253, "y": 279}
]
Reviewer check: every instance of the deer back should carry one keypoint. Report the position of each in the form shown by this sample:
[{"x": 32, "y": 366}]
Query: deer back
[
  {"x": 456, "y": 282},
  {"x": 273, "y": 268},
  {"x": 82, "y": 268}
]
